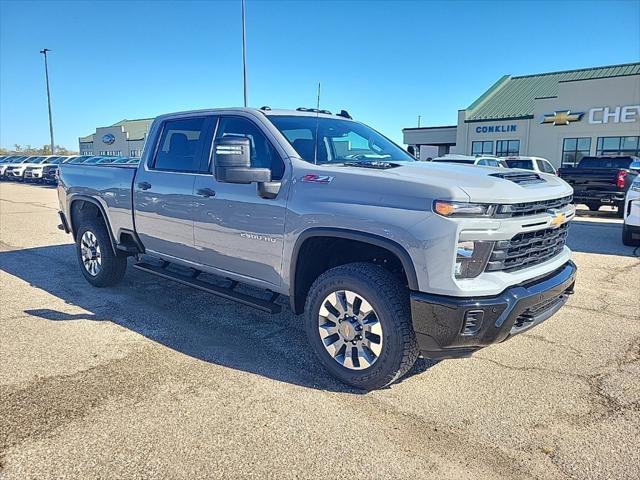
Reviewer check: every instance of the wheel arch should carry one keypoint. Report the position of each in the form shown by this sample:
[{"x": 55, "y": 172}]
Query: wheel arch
[
  {"x": 298, "y": 289},
  {"x": 77, "y": 205}
]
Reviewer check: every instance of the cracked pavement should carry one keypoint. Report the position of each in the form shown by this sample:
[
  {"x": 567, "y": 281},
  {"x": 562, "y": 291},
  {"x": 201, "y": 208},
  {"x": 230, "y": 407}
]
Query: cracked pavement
[{"x": 150, "y": 379}]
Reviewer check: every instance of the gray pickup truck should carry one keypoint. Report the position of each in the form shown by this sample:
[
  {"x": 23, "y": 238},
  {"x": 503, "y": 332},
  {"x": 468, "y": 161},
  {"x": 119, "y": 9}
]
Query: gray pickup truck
[{"x": 385, "y": 256}]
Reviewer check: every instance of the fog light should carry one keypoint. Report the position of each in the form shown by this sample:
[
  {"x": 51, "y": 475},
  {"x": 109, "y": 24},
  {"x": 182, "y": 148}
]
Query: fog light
[{"x": 472, "y": 322}]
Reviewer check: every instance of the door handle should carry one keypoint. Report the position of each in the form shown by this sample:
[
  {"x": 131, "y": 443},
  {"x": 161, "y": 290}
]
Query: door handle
[
  {"x": 206, "y": 192},
  {"x": 144, "y": 185}
]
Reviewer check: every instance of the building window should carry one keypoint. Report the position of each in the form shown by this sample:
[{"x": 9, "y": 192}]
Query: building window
[
  {"x": 573, "y": 149},
  {"x": 482, "y": 148},
  {"x": 506, "y": 148},
  {"x": 618, "y": 146}
]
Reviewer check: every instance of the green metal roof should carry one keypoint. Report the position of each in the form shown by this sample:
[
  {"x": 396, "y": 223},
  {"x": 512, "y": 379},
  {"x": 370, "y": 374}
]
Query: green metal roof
[{"x": 514, "y": 97}]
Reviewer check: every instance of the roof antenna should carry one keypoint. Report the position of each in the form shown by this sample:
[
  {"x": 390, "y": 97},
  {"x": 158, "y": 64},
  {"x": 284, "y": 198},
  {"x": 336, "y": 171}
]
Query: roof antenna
[{"x": 315, "y": 150}]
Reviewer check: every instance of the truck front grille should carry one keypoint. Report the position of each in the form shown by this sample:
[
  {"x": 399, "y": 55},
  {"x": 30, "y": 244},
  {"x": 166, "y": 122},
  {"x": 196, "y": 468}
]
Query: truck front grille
[
  {"x": 527, "y": 249},
  {"x": 532, "y": 208}
]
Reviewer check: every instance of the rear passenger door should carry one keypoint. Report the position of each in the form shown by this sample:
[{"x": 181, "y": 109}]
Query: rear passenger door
[{"x": 164, "y": 187}]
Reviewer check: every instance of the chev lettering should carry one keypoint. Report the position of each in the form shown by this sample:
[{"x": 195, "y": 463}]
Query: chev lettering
[
  {"x": 497, "y": 129},
  {"x": 253, "y": 236},
  {"x": 621, "y": 114}
]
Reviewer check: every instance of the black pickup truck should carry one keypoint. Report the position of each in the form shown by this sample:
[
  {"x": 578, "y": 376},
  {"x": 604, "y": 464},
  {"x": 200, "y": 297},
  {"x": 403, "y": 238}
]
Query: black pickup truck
[{"x": 598, "y": 181}]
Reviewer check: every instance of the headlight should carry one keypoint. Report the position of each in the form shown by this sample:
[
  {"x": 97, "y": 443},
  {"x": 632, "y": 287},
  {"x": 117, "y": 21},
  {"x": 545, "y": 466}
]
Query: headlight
[
  {"x": 471, "y": 258},
  {"x": 462, "y": 209},
  {"x": 635, "y": 186}
]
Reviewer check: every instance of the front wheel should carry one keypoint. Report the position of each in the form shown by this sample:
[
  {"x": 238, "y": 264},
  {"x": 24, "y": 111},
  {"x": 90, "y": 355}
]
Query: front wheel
[
  {"x": 358, "y": 322},
  {"x": 100, "y": 266}
]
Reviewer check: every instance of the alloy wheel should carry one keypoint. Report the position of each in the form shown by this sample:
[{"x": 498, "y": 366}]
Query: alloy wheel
[
  {"x": 350, "y": 330},
  {"x": 91, "y": 255}
]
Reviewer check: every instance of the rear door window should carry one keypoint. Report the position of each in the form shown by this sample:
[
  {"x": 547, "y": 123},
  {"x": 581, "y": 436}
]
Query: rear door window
[{"x": 181, "y": 145}]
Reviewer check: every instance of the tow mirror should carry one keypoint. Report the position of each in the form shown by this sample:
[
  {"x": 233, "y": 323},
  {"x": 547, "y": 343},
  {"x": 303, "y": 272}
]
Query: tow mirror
[{"x": 232, "y": 160}]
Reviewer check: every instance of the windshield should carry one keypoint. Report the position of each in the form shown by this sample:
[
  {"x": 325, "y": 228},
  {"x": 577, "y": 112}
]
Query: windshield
[
  {"x": 524, "y": 164},
  {"x": 339, "y": 141}
]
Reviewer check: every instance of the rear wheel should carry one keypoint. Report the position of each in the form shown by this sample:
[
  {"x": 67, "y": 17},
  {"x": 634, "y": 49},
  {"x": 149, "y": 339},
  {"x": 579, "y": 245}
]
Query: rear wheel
[
  {"x": 594, "y": 207},
  {"x": 100, "y": 266},
  {"x": 357, "y": 319}
]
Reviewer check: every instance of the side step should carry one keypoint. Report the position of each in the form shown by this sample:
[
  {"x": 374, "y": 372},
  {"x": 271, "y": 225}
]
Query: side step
[{"x": 228, "y": 293}]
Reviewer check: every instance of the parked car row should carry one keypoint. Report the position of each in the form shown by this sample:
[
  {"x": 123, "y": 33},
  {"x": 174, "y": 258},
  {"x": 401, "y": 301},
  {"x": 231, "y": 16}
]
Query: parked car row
[
  {"x": 43, "y": 168},
  {"x": 535, "y": 164}
]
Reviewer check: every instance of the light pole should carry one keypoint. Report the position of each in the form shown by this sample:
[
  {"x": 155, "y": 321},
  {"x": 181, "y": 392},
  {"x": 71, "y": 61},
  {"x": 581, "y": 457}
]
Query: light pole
[
  {"x": 244, "y": 53},
  {"x": 46, "y": 74}
]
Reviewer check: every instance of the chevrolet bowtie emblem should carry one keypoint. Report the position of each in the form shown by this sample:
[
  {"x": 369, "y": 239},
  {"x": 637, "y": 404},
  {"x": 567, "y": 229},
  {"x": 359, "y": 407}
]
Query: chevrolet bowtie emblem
[
  {"x": 557, "y": 218},
  {"x": 562, "y": 118}
]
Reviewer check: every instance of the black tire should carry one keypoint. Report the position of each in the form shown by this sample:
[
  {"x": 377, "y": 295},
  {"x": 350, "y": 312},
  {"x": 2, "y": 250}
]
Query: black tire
[
  {"x": 627, "y": 238},
  {"x": 113, "y": 267},
  {"x": 620, "y": 211},
  {"x": 594, "y": 207},
  {"x": 390, "y": 300}
]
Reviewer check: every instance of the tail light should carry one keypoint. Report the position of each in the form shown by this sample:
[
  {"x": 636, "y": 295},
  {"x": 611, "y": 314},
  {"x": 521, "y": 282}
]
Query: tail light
[{"x": 620, "y": 180}]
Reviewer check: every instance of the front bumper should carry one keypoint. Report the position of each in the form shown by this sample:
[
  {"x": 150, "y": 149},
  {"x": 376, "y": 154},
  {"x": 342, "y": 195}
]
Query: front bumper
[
  {"x": 449, "y": 327},
  {"x": 33, "y": 175}
]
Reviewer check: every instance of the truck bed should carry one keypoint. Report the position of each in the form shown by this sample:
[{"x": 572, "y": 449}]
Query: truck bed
[{"x": 111, "y": 185}]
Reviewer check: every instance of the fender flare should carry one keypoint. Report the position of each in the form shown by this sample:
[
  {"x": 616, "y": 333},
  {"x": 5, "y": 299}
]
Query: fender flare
[
  {"x": 85, "y": 198},
  {"x": 370, "y": 238}
]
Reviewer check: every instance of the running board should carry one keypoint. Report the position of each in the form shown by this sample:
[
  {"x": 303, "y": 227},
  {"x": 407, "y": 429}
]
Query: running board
[{"x": 228, "y": 293}]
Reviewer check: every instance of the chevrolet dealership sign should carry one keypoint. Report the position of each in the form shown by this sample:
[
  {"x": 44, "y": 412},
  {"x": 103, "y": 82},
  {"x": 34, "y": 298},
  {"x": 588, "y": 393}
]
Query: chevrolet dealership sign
[
  {"x": 597, "y": 115},
  {"x": 625, "y": 114}
]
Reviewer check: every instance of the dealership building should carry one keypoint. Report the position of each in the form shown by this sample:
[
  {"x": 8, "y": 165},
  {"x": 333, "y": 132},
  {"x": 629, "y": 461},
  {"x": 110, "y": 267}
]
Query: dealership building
[
  {"x": 123, "y": 139},
  {"x": 561, "y": 116}
]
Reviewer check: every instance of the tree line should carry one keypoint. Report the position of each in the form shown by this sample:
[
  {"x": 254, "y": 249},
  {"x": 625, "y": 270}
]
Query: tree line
[{"x": 29, "y": 150}]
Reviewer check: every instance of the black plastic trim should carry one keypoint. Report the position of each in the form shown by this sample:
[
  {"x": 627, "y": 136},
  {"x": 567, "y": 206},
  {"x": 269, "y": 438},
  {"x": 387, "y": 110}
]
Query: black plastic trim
[
  {"x": 438, "y": 320},
  {"x": 392, "y": 246},
  {"x": 85, "y": 198}
]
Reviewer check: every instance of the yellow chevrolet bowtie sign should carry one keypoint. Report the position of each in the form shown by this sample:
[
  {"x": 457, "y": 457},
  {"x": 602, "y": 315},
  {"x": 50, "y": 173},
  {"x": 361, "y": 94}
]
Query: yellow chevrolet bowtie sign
[
  {"x": 557, "y": 219},
  {"x": 562, "y": 118}
]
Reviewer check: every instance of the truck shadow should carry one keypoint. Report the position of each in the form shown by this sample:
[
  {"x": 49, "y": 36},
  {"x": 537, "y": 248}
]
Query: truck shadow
[{"x": 202, "y": 326}]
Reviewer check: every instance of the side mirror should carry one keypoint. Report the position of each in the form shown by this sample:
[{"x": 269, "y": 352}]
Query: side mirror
[{"x": 232, "y": 160}]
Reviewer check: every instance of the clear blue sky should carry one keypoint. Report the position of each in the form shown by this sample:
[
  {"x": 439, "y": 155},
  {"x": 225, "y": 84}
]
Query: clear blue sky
[{"x": 385, "y": 62}]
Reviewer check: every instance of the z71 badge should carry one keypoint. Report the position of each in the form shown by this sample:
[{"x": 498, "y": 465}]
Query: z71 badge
[{"x": 313, "y": 178}]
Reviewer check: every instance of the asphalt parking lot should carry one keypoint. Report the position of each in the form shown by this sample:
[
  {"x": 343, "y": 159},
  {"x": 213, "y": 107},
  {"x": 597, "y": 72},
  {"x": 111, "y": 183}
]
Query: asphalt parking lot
[{"x": 150, "y": 379}]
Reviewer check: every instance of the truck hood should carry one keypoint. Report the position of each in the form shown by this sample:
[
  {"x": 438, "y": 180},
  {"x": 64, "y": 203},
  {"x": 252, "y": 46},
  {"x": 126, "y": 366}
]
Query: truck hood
[{"x": 480, "y": 183}]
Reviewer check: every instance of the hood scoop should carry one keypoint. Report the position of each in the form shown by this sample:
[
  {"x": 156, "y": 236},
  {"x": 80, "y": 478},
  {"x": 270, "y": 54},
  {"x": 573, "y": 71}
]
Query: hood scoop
[{"x": 520, "y": 178}]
